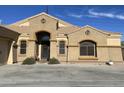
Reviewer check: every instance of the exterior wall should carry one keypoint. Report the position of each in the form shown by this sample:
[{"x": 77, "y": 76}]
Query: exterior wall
[
  {"x": 102, "y": 54},
  {"x": 37, "y": 26},
  {"x": 31, "y": 50},
  {"x": 33, "y": 26},
  {"x": 96, "y": 36},
  {"x": 53, "y": 49},
  {"x": 74, "y": 44},
  {"x": 113, "y": 42},
  {"x": 114, "y": 48},
  {"x": 21, "y": 57},
  {"x": 62, "y": 57},
  {"x": 115, "y": 53},
  {"x": 73, "y": 53},
  {"x": 107, "y": 48}
]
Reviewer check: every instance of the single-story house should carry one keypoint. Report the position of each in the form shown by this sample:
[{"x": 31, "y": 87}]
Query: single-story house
[{"x": 44, "y": 36}]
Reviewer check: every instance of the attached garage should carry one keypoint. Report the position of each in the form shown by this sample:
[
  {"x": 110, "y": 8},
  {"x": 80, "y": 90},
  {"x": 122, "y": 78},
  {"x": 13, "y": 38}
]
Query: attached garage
[{"x": 8, "y": 38}]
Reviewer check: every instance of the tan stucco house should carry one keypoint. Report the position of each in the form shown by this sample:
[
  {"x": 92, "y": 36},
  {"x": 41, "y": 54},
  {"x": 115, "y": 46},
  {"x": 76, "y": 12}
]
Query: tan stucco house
[{"x": 44, "y": 36}]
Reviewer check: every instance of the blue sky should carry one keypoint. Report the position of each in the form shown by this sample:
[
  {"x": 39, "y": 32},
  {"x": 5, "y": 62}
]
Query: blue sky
[{"x": 109, "y": 18}]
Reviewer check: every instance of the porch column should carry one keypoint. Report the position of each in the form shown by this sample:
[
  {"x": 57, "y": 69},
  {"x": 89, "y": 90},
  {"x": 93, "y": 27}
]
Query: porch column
[
  {"x": 10, "y": 58},
  {"x": 39, "y": 51}
]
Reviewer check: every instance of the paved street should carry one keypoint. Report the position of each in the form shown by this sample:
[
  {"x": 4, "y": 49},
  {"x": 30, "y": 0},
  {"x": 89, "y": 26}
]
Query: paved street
[{"x": 64, "y": 75}]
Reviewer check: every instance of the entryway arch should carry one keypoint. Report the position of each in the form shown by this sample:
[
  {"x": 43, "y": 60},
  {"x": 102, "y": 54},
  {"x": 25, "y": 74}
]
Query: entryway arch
[{"x": 43, "y": 45}]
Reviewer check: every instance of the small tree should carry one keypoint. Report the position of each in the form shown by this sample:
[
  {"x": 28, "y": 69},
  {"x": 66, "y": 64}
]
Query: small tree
[{"x": 122, "y": 43}]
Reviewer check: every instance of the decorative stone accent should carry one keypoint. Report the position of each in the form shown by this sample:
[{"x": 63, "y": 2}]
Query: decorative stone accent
[
  {"x": 43, "y": 20},
  {"x": 87, "y": 32}
]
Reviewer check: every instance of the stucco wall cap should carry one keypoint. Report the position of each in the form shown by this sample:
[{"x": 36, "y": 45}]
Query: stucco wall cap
[
  {"x": 101, "y": 31},
  {"x": 43, "y": 13}
]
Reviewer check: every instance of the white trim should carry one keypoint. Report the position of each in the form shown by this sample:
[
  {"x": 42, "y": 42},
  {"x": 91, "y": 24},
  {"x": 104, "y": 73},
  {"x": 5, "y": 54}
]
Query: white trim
[{"x": 39, "y": 51}]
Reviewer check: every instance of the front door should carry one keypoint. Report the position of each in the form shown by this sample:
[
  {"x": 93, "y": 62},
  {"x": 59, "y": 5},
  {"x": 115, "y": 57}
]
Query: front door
[{"x": 45, "y": 52}]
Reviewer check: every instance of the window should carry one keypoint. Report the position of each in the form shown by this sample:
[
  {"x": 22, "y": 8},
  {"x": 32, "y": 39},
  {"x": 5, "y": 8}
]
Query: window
[
  {"x": 87, "y": 48},
  {"x": 62, "y": 47},
  {"x": 23, "y": 47}
]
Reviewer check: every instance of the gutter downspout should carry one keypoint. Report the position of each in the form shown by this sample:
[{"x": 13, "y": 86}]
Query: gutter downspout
[{"x": 67, "y": 47}]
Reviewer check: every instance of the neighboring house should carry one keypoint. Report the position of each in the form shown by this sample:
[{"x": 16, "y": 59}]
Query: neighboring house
[
  {"x": 8, "y": 38},
  {"x": 44, "y": 36}
]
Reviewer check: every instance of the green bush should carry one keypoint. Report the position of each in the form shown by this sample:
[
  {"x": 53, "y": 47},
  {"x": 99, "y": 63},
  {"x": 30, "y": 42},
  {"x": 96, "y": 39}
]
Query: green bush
[
  {"x": 53, "y": 61},
  {"x": 29, "y": 61}
]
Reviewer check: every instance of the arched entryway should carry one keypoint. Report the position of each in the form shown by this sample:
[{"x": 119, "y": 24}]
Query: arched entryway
[{"x": 43, "y": 45}]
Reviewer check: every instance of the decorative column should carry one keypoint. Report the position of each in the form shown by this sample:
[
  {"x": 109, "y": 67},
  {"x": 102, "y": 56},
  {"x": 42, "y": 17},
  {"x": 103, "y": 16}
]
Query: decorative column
[
  {"x": 39, "y": 51},
  {"x": 10, "y": 58}
]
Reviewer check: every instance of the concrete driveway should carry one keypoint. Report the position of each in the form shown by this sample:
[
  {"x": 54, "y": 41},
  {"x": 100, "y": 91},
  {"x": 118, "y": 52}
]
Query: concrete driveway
[{"x": 64, "y": 75}]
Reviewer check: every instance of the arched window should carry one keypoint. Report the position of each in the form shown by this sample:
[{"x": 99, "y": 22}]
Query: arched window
[
  {"x": 87, "y": 48},
  {"x": 61, "y": 47},
  {"x": 23, "y": 46}
]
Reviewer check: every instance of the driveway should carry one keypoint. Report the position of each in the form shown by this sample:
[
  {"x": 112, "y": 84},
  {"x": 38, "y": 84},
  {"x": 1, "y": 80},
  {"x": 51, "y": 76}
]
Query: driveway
[{"x": 64, "y": 75}]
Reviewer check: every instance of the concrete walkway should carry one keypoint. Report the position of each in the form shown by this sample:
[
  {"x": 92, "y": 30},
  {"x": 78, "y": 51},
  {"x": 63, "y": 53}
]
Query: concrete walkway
[{"x": 64, "y": 75}]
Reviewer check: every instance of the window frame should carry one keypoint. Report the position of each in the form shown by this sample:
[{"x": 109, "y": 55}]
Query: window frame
[
  {"x": 88, "y": 46},
  {"x": 23, "y": 50},
  {"x": 62, "y": 48}
]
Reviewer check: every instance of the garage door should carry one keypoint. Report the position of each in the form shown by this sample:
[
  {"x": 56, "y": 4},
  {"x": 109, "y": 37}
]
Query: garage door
[{"x": 3, "y": 51}]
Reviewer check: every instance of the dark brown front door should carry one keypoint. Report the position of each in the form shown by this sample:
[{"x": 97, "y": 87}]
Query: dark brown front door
[{"x": 45, "y": 52}]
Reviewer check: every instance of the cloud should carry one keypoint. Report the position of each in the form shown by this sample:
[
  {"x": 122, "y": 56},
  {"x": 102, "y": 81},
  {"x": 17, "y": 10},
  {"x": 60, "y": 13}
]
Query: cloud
[
  {"x": 120, "y": 17},
  {"x": 101, "y": 14},
  {"x": 92, "y": 16},
  {"x": 105, "y": 14},
  {"x": 75, "y": 15}
]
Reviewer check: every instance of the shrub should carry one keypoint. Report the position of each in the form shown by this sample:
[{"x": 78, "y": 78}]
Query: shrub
[
  {"x": 53, "y": 61},
  {"x": 29, "y": 61}
]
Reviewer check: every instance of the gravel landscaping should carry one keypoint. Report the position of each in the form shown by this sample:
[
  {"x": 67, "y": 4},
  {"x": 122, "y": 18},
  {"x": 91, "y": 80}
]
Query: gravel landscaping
[{"x": 61, "y": 75}]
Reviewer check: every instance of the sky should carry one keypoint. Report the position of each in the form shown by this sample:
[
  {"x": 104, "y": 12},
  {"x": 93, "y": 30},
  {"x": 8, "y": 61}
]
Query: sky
[{"x": 108, "y": 18}]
